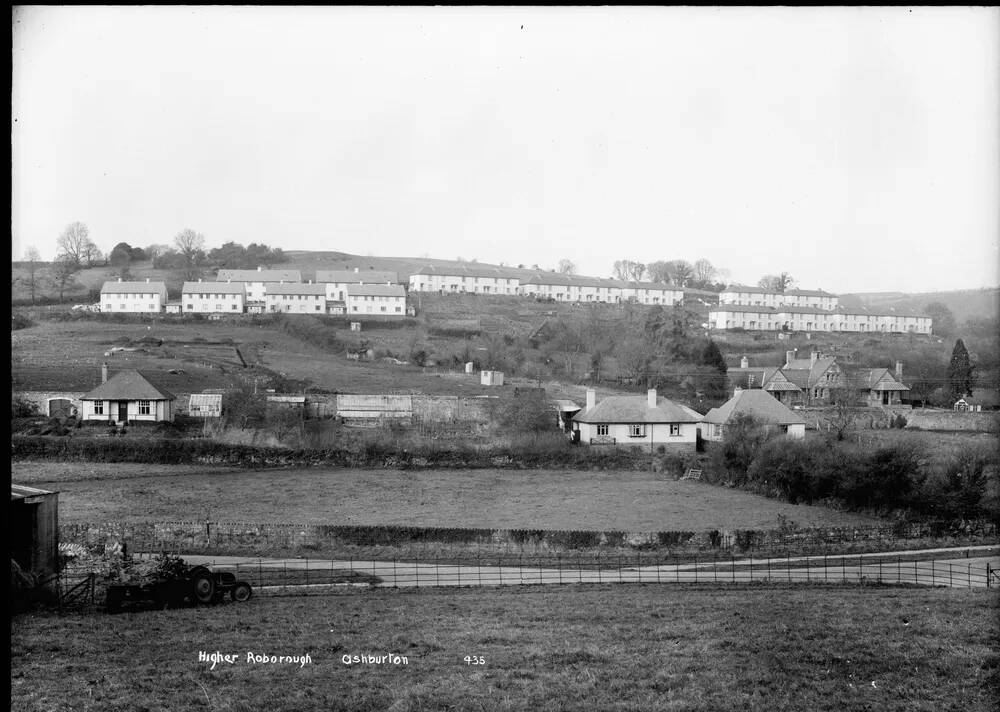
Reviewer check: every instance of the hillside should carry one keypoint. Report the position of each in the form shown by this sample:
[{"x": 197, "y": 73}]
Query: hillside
[{"x": 964, "y": 303}]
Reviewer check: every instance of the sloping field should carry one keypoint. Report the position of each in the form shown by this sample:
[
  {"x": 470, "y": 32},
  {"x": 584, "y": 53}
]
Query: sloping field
[
  {"x": 530, "y": 499},
  {"x": 623, "y": 647}
]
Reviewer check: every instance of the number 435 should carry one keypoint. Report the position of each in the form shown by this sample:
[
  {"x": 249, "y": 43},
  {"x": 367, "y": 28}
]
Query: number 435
[{"x": 474, "y": 660}]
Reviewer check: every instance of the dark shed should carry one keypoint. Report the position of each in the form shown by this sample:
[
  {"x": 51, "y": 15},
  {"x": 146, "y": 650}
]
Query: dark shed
[{"x": 34, "y": 530}]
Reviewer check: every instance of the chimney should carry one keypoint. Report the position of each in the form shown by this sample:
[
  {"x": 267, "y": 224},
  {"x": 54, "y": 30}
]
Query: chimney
[
  {"x": 104, "y": 373},
  {"x": 744, "y": 362},
  {"x": 651, "y": 398},
  {"x": 789, "y": 356},
  {"x": 899, "y": 371},
  {"x": 355, "y": 270},
  {"x": 119, "y": 279},
  {"x": 147, "y": 280},
  {"x": 737, "y": 391},
  {"x": 591, "y": 400},
  {"x": 259, "y": 268},
  {"x": 199, "y": 279}
]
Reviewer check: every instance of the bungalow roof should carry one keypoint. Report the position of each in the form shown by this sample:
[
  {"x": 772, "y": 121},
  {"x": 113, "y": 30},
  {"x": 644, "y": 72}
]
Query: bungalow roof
[
  {"x": 635, "y": 409},
  {"x": 128, "y": 385},
  {"x": 756, "y": 403}
]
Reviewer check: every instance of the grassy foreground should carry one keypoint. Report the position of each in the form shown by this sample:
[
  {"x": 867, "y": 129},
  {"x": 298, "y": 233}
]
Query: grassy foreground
[
  {"x": 530, "y": 499},
  {"x": 567, "y": 648}
]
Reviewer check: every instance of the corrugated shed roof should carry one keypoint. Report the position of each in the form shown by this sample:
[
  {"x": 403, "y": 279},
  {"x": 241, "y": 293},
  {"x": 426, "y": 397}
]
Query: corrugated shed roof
[
  {"x": 23, "y": 491},
  {"x": 214, "y": 288},
  {"x": 260, "y": 275},
  {"x": 758, "y": 404},
  {"x": 349, "y": 276},
  {"x": 635, "y": 409},
  {"x": 297, "y": 288},
  {"x": 128, "y": 385},
  {"x": 375, "y": 290},
  {"x": 134, "y": 288}
]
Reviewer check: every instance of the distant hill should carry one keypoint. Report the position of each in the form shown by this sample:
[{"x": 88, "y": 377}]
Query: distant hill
[{"x": 964, "y": 303}]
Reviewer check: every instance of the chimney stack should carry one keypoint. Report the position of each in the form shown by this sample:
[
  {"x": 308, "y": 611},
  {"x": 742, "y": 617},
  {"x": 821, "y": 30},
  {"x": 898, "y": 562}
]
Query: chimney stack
[
  {"x": 789, "y": 356},
  {"x": 651, "y": 398},
  {"x": 744, "y": 362},
  {"x": 591, "y": 399},
  {"x": 355, "y": 270},
  {"x": 147, "y": 280},
  {"x": 104, "y": 372},
  {"x": 899, "y": 371},
  {"x": 119, "y": 279},
  {"x": 737, "y": 391},
  {"x": 259, "y": 268}
]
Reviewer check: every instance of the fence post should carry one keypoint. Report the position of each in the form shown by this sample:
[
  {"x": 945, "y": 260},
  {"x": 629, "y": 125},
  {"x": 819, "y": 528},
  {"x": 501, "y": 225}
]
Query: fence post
[
  {"x": 559, "y": 566},
  {"x": 989, "y": 573},
  {"x": 479, "y": 567},
  {"x": 732, "y": 563},
  {"x": 619, "y": 568}
]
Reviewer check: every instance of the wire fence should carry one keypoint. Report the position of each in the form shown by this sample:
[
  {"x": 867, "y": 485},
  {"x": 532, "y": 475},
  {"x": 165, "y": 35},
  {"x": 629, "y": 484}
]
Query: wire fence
[{"x": 305, "y": 576}]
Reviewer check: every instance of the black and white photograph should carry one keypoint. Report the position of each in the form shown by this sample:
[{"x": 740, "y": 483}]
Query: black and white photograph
[{"x": 505, "y": 359}]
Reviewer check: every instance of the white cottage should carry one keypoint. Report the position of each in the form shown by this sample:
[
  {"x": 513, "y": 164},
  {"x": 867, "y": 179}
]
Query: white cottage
[
  {"x": 127, "y": 397},
  {"x": 637, "y": 421},
  {"x": 758, "y": 404}
]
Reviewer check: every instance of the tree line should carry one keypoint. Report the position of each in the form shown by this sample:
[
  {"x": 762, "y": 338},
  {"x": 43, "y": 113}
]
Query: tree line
[{"x": 185, "y": 256}]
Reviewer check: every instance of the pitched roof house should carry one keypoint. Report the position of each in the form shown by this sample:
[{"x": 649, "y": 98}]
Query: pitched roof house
[
  {"x": 127, "y": 397},
  {"x": 133, "y": 296},
  {"x": 637, "y": 421},
  {"x": 758, "y": 404}
]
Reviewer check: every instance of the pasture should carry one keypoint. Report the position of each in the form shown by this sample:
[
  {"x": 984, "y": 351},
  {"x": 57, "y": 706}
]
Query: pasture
[
  {"x": 623, "y": 647},
  {"x": 505, "y": 499}
]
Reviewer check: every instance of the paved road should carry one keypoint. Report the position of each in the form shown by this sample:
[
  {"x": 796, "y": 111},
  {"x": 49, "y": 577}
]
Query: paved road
[{"x": 958, "y": 568}]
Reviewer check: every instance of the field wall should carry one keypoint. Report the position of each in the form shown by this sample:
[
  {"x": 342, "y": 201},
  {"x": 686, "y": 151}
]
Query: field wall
[
  {"x": 927, "y": 419},
  {"x": 263, "y": 538}
]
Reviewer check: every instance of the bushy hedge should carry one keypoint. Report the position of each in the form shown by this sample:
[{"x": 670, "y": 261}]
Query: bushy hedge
[{"x": 962, "y": 485}]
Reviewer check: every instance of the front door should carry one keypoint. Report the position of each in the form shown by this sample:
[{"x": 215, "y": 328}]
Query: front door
[{"x": 122, "y": 411}]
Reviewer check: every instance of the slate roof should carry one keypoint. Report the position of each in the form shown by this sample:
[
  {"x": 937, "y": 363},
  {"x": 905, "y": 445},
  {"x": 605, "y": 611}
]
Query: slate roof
[
  {"x": 635, "y": 409},
  {"x": 364, "y": 276},
  {"x": 573, "y": 280},
  {"x": 375, "y": 290},
  {"x": 746, "y": 289},
  {"x": 214, "y": 288},
  {"x": 134, "y": 288},
  {"x": 260, "y": 275},
  {"x": 808, "y": 293},
  {"x": 472, "y": 271},
  {"x": 750, "y": 377},
  {"x": 743, "y": 308},
  {"x": 128, "y": 385},
  {"x": 759, "y": 404},
  {"x": 297, "y": 288}
]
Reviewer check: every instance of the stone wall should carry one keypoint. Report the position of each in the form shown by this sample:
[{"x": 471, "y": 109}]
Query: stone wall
[
  {"x": 41, "y": 398},
  {"x": 954, "y": 420}
]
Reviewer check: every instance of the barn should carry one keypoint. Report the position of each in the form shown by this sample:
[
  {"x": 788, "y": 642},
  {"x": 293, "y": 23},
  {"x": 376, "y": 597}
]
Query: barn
[{"x": 34, "y": 530}]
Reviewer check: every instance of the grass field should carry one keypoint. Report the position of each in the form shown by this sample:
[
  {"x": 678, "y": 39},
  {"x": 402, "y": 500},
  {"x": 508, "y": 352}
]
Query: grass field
[
  {"x": 531, "y": 499},
  {"x": 630, "y": 647}
]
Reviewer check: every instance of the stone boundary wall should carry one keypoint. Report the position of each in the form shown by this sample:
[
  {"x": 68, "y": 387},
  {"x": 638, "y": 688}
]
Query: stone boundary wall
[
  {"x": 41, "y": 398},
  {"x": 259, "y": 538},
  {"x": 932, "y": 419}
]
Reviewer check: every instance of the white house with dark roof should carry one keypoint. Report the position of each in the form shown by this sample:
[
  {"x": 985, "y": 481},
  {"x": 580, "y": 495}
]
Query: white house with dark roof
[
  {"x": 809, "y": 318},
  {"x": 296, "y": 298},
  {"x": 749, "y": 296},
  {"x": 127, "y": 397},
  {"x": 213, "y": 297},
  {"x": 471, "y": 279},
  {"x": 337, "y": 281},
  {"x": 573, "y": 288},
  {"x": 758, "y": 404},
  {"x": 257, "y": 280},
  {"x": 148, "y": 297},
  {"x": 643, "y": 421},
  {"x": 376, "y": 300}
]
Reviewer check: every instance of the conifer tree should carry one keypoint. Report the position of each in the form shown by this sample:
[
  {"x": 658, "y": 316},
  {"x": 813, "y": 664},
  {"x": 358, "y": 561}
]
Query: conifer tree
[{"x": 960, "y": 375}]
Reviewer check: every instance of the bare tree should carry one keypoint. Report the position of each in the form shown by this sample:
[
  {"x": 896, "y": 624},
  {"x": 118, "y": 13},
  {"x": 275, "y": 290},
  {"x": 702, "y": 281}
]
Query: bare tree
[
  {"x": 566, "y": 266},
  {"x": 628, "y": 270},
  {"x": 64, "y": 272},
  {"x": 72, "y": 243},
  {"x": 673, "y": 272},
  {"x": 33, "y": 266},
  {"x": 191, "y": 247},
  {"x": 704, "y": 271},
  {"x": 776, "y": 282}
]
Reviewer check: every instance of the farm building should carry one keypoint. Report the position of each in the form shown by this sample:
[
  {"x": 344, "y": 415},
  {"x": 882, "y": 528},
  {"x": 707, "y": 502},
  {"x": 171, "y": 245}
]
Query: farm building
[
  {"x": 637, "y": 421},
  {"x": 205, "y": 405},
  {"x": 127, "y": 397},
  {"x": 758, "y": 404},
  {"x": 34, "y": 530}
]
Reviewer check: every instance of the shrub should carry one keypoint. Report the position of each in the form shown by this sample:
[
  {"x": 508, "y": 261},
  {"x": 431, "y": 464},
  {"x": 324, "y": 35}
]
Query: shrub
[{"x": 21, "y": 407}]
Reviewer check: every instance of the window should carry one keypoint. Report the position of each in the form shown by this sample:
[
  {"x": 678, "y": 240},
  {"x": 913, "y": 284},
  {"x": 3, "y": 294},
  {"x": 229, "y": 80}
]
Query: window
[
  {"x": 675, "y": 430},
  {"x": 144, "y": 407},
  {"x": 636, "y": 430},
  {"x": 602, "y": 429},
  {"x": 98, "y": 407},
  {"x": 234, "y": 307}
]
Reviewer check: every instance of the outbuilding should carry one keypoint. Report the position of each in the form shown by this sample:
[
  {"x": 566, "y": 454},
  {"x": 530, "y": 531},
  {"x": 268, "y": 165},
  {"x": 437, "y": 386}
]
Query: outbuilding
[{"x": 34, "y": 530}]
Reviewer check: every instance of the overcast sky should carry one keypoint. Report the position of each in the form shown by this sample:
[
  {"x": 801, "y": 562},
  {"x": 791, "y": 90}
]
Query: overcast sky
[{"x": 858, "y": 149}]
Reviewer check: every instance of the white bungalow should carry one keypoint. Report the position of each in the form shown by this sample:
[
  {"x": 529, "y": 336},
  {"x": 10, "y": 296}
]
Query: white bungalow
[
  {"x": 127, "y": 397},
  {"x": 758, "y": 404},
  {"x": 637, "y": 421}
]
